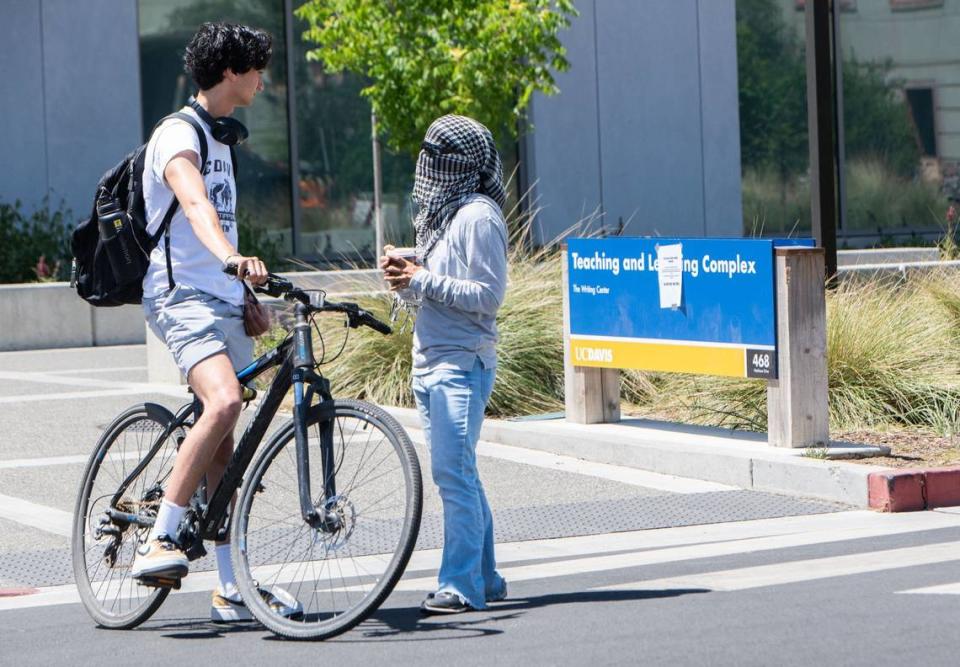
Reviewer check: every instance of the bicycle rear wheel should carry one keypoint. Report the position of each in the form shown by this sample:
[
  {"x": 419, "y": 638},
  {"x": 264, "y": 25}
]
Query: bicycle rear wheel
[
  {"x": 339, "y": 577},
  {"x": 103, "y": 549}
]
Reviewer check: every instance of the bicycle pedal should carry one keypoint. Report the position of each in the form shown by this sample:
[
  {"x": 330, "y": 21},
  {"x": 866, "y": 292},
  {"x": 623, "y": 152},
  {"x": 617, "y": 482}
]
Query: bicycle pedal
[{"x": 160, "y": 582}]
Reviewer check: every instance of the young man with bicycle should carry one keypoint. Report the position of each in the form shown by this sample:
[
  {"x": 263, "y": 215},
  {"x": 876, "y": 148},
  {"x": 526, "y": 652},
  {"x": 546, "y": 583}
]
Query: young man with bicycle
[
  {"x": 190, "y": 303},
  {"x": 459, "y": 286}
]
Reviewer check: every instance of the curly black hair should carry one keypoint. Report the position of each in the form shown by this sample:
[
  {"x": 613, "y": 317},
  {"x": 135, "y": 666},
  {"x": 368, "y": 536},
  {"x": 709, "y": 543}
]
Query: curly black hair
[{"x": 217, "y": 46}]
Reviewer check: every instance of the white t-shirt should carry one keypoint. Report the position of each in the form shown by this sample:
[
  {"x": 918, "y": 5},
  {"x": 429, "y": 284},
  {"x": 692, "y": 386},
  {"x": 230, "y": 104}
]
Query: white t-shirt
[{"x": 193, "y": 264}]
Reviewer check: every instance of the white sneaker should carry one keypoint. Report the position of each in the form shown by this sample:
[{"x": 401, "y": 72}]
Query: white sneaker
[
  {"x": 225, "y": 609},
  {"x": 160, "y": 557},
  {"x": 230, "y": 609}
]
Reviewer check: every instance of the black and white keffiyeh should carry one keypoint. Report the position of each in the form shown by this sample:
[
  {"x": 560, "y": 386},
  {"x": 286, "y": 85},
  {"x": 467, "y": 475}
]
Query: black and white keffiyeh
[{"x": 457, "y": 158}]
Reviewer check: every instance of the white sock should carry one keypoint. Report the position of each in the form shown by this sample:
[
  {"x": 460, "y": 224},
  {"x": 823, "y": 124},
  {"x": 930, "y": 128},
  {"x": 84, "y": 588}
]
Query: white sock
[
  {"x": 228, "y": 582},
  {"x": 168, "y": 520}
]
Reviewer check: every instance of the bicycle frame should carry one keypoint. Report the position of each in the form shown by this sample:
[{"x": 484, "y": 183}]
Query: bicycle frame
[{"x": 295, "y": 358}]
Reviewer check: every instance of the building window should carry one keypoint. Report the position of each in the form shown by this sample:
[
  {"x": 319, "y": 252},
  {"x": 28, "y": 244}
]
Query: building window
[
  {"x": 920, "y": 101},
  {"x": 897, "y": 149},
  {"x": 336, "y": 169}
]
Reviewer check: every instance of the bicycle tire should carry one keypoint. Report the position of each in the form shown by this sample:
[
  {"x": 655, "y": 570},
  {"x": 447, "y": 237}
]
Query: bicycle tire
[
  {"x": 132, "y": 604},
  {"x": 367, "y": 540}
]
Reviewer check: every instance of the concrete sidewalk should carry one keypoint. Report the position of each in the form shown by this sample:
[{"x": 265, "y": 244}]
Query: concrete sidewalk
[{"x": 736, "y": 458}]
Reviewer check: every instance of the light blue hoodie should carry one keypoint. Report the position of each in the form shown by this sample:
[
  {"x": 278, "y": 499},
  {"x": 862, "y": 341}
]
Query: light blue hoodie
[{"x": 460, "y": 291}]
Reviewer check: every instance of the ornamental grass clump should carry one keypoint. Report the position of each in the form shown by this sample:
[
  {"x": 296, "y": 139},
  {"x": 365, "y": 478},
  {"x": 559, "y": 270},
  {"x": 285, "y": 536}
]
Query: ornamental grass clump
[
  {"x": 371, "y": 366},
  {"x": 890, "y": 353},
  {"x": 530, "y": 322}
]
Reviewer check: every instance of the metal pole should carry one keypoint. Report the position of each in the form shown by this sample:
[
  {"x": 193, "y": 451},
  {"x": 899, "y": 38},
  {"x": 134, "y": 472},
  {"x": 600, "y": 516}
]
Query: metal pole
[
  {"x": 820, "y": 115},
  {"x": 838, "y": 119},
  {"x": 292, "y": 132},
  {"x": 377, "y": 187}
]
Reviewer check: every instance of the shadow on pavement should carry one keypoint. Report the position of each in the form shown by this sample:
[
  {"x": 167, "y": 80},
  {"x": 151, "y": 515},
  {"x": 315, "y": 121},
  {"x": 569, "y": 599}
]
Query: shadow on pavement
[
  {"x": 407, "y": 624},
  {"x": 198, "y": 628}
]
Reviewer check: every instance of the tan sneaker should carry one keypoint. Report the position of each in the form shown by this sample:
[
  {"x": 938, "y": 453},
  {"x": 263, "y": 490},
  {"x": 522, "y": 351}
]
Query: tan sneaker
[{"x": 161, "y": 557}]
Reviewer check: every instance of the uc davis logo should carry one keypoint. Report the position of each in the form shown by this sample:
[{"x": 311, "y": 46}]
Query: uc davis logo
[{"x": 596, "y": 354}]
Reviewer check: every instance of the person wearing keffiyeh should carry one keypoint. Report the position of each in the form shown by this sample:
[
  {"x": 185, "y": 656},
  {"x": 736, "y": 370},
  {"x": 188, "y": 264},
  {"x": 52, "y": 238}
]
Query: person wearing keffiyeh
[{"x": 458, "y": 281}]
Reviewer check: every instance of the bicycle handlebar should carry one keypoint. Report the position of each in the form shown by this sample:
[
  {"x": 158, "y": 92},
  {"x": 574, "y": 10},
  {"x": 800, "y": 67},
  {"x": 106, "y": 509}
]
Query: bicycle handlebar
[{"x": 279, "y": 287}]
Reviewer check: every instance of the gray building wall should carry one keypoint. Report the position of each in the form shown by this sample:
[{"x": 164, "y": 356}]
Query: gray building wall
[
  {"x": 645, "y": 130},
  {"x": 70, "y": 107}
]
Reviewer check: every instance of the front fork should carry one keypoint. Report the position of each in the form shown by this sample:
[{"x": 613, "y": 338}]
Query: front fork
[{"x": 306, "y": 382}]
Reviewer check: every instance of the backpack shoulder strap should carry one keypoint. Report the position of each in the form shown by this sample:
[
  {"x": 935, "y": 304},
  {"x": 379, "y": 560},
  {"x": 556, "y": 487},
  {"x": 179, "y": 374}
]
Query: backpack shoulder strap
[{"x": 168, "y": 217}]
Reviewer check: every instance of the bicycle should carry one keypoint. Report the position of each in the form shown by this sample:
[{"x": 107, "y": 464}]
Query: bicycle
[{"x": 339, "y": 551}]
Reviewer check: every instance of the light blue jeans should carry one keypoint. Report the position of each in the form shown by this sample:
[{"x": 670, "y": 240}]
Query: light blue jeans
[{"x": 451, "y": 405}]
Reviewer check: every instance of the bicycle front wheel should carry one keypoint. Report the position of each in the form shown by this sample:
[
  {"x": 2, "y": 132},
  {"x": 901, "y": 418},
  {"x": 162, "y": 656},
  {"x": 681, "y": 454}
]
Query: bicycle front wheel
[{"x": 307, "y": 583}]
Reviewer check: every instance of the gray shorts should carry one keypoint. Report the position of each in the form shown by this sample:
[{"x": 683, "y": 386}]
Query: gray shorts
[{"x": 196, "y": 325}]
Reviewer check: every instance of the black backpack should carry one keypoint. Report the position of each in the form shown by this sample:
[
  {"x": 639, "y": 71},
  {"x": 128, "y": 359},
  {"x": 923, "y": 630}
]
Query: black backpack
[{"x": 111, "y": 248}]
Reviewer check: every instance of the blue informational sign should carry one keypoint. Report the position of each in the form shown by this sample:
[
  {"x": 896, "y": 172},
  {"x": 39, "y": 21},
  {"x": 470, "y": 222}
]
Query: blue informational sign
[{"x": 722, "y": 322}]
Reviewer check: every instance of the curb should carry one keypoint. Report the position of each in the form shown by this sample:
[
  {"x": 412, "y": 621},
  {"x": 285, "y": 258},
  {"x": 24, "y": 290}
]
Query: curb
[
  {"x": 715, "y": 455},
  {"x": 17, "y": 592},
  {"x": 914, "y": 489}
]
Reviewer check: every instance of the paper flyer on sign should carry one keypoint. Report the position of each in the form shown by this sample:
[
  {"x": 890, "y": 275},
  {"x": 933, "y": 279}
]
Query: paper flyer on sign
[{"x": 670, "y": 270}]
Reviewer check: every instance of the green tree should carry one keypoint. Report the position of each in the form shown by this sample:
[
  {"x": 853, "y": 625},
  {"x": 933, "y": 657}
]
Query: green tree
[{"x": 423, "y": 58}]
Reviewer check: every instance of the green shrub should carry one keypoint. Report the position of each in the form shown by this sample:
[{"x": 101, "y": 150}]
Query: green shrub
[
  {"x": 35, "y": 246},
  {"x": 45, "y": 233}
]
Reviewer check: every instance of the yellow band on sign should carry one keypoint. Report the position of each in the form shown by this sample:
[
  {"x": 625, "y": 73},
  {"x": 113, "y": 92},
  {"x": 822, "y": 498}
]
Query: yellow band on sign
[{"x": 668, "y": 357}]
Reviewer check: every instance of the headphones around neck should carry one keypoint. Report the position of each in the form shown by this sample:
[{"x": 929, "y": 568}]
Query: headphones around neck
[{"x": 226, "y": 130}]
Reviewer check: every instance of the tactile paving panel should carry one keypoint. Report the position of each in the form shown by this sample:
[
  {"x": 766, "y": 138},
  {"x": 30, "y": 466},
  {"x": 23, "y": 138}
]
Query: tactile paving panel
[{"x": 53, "y": 567}]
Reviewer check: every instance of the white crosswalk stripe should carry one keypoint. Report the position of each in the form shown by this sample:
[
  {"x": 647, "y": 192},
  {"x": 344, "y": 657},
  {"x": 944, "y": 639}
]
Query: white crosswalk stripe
[
  {"x": 97, "y": 388},
  {"x": 602, "y": 553},
  {"x": 70, "y": 459},
  {"x": 942, "y": 589},
  {"x": 793, "y": 572},
  {"x": 108, "y": 369},
  {"x": 27, "y": 513}
]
